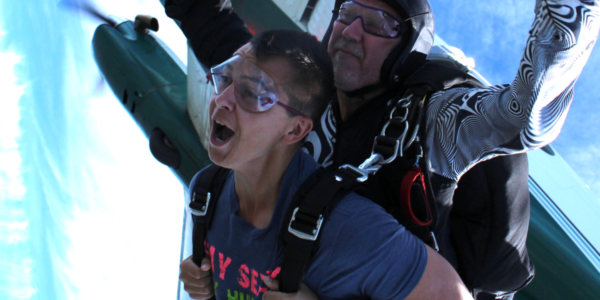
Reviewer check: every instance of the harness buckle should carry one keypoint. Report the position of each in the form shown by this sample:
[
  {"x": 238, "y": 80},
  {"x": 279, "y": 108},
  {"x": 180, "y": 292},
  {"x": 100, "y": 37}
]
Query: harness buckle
[
  {"x": 372, "y": 163},
  {"x": 199, "y": 208},
  {"x": 303, "y": 235},
  {"x": 361, "y": 175}
]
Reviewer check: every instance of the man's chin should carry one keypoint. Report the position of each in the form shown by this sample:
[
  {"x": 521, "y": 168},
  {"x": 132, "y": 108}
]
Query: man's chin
[
  {"x": 349, "y": 82},
  {"x": 346, "y": 79}
]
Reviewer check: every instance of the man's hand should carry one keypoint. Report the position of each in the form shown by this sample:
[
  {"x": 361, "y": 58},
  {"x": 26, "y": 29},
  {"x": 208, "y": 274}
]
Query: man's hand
[
  {"x": 197, "y": 282},
  {"x": 303, "y": 294}
]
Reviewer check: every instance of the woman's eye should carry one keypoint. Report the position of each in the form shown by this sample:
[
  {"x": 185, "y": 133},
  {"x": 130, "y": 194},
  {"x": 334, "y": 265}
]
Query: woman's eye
[
  {"x": 222, "y": 83},
  {"x": 248, "y": 94},
  {"x": 226, "y": 80}
]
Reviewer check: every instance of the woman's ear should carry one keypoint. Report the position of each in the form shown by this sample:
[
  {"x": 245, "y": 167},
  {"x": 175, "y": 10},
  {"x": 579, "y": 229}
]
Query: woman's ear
[{"x": 301, "y": 127}]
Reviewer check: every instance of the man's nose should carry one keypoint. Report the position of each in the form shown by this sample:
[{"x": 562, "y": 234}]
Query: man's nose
[
  {"x": 354, "y": 31},
  {"x": 226, "y": 100}
]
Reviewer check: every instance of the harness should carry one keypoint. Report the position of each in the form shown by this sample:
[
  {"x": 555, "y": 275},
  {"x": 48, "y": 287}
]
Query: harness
[
  {"x": 205, "y": 194},
  {"x": 399, "y": 139}
]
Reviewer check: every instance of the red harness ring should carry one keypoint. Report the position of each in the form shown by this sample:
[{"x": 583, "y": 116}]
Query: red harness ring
[{"x": 411, "y": 177}]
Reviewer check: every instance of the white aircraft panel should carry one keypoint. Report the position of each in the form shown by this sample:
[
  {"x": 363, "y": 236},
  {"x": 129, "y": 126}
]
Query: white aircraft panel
[
  {"x": 320, "y": 18},
  {"x": 198, "y": 97},
  {"x": 293, "y": 8},
  {"x": 186, "y": 242}
]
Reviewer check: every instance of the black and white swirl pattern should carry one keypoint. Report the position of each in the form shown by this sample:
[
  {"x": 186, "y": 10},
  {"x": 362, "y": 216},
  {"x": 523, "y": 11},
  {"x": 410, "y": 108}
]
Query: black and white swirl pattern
[
  {"x": 466, "y": 126},
  {"x": 319, "y": 142}
]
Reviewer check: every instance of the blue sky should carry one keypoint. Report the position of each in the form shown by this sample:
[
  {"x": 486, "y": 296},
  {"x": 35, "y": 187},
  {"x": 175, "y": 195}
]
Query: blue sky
[
  {"x": 494, "y": 34},
  {"x": 74, "y": 167}
]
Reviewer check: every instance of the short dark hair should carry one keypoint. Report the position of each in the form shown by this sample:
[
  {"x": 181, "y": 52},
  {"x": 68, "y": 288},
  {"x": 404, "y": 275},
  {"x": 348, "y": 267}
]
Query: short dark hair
[{"x": 312, "y": 86}]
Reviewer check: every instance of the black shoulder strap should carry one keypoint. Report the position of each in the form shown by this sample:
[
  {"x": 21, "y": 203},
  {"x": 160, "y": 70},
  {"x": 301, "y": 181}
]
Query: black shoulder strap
[
  {"x": 205, "y": 194},
  {"x": 304, "y": 220}
]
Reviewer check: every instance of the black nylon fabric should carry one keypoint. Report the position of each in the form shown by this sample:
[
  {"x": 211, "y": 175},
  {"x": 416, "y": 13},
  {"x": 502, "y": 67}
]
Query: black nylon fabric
[
  {"x": 492, "y": 231},
  {"x": 429, "y": 74},
  {"x": 213, "y": 35}
]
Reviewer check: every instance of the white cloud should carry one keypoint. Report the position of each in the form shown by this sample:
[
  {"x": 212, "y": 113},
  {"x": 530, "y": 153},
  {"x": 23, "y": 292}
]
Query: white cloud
[
  {"x": 11, "y": 182},
  {"x": 17, "y": 274},
  {"x": 126, "y": 230},
  {"x": 15, "y": 260},
  {"x": 123, "y": 229}
]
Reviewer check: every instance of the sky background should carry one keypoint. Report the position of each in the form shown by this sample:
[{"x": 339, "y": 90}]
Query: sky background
[{"x": 85, "y": 210}]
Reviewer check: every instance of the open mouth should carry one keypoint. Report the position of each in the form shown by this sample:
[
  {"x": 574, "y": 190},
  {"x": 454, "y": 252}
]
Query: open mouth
[{"x": 221, "y": 132}]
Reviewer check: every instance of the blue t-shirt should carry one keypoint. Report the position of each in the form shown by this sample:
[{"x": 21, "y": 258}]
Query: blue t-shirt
[{"x": 363, "y": 252}]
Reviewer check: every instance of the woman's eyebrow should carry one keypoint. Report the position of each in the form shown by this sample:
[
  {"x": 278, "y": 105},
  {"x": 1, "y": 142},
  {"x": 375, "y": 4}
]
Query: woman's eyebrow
[
  {"x": 251, "y": 78},
  {"x": 259, "y": 81}
]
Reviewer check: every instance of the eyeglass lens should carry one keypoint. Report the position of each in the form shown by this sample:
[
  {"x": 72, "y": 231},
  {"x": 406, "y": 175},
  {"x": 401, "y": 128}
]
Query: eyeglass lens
[
  {"x": 251, "y": 85},
  {"x": 374, "y": 21}
]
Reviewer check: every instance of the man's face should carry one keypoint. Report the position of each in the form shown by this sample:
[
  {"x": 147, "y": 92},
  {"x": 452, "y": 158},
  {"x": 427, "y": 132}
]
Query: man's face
[
  {"x": 238, "y": 136},
  {"x": 357, "y": 56}
]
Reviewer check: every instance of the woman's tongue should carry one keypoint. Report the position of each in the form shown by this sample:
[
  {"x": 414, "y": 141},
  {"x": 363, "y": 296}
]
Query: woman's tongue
[{"x": 224, "y": 133}]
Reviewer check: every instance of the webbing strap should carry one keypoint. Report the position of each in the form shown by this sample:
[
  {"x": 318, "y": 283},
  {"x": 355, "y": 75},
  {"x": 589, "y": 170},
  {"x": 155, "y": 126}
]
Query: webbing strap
[
  {"x": 305, "y": 219},
  {"x": 205, "y": 194}
]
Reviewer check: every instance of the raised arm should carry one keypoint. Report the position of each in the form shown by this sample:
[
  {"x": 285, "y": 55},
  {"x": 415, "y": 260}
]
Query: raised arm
[
  {"x": 465, "y": 126},
  {"x": 213, "y": 33}
]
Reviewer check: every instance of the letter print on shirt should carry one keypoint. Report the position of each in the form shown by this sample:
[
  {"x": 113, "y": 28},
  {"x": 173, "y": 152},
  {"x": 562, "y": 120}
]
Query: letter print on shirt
[{"x": 237, "y": 279}]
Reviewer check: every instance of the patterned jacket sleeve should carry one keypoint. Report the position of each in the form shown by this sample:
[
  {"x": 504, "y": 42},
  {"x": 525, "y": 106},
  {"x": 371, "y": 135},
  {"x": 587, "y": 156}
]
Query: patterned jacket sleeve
[{"x": 465, "y": 126}]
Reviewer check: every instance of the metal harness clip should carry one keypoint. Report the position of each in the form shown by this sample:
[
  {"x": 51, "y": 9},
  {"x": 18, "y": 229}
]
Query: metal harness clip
[
  {"x": 303, "y": 235},
  {"x": 374, "y": 163},
  {"x": 202, "y": 211}
]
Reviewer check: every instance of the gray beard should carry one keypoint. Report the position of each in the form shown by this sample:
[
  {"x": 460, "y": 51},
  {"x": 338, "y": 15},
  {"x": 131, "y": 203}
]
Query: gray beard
[{"x": 349, "y": 79}]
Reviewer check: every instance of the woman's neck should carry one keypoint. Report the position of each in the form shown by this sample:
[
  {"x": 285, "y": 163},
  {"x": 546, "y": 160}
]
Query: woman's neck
[{"x": 258, "y": 184}]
